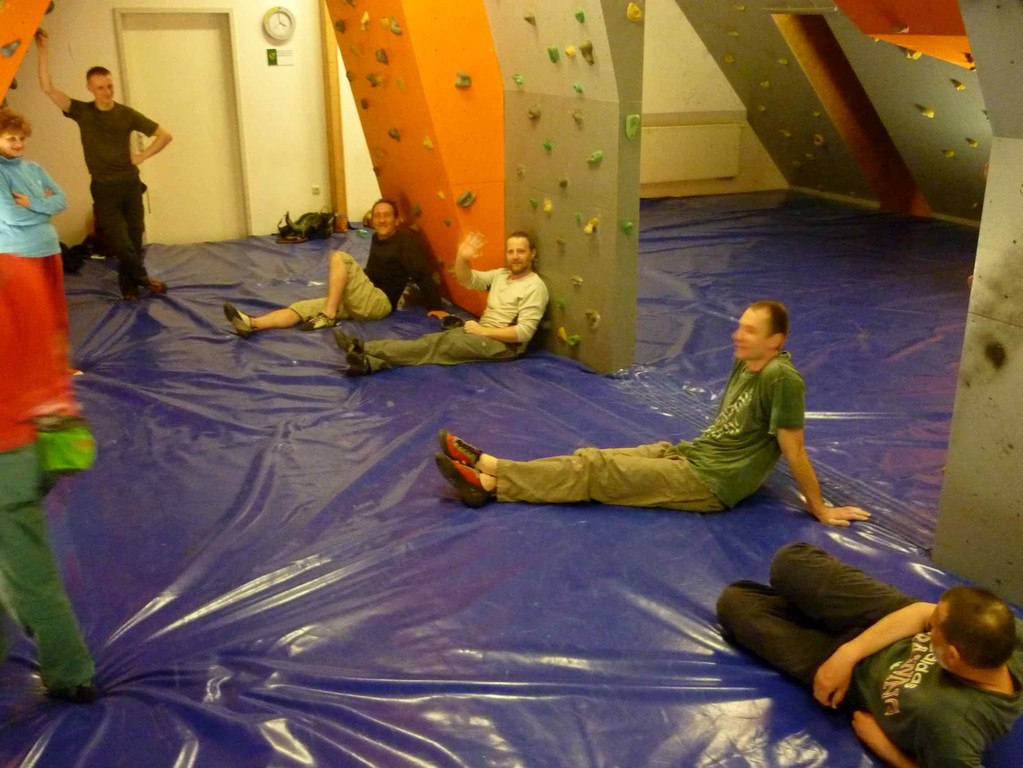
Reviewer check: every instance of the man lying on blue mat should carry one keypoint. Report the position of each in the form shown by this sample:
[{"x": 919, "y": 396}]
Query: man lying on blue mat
[
  {"x": 516, "y": 302},
  {"x": 760, "y": 418},
  {"x": 924, "y": 682},
  {"x": 353, "y": 293}
]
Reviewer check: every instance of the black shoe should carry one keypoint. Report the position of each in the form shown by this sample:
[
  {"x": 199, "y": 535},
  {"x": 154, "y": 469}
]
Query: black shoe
[
  {"x": 465, "y": 480},
  {"x": 241, "y": 322},
  {"x": 358, "y": 364},
  {"x": 456, "y": 449},
  {"x": 349, "y": 343},
  {"x": 78, "y": 694}
]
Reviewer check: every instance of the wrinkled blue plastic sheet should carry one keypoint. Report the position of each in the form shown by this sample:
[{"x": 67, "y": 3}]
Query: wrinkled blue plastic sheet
[{"x": 270, "y": 572}]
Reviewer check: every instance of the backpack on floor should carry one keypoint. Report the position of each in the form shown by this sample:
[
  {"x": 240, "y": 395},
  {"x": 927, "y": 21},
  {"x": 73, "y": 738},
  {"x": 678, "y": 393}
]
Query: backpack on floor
[{"x": 308, "y": 226}]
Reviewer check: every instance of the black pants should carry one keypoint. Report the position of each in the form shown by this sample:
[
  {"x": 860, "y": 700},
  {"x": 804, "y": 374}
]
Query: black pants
[
  {"x": 814, "y": 604},
  {"x": 120, "y": 220}
]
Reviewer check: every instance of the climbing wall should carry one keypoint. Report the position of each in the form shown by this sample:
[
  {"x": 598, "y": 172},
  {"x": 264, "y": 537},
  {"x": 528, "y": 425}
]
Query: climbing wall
[
  {"x": 18, "y": 23},
  {"x": 572, "y": 75},
  {"x": 931, "y": 109},
  {"x": 427, "y": 84}
]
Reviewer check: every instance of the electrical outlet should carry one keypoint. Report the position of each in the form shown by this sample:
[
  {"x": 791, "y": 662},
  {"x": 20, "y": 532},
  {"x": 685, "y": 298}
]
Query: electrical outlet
[{"x": 316, "y": 189}]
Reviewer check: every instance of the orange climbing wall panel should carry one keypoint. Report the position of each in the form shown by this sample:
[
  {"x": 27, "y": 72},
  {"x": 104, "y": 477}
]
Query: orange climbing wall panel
[
  {"x": 430, "y": 141},
  {"x": 19, "y": 20},
  {"x": 934, "y": 27}
]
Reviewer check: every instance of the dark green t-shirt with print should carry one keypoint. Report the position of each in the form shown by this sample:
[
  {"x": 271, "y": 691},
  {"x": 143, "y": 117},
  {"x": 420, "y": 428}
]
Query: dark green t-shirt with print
[{"x": 737, "y": 452}]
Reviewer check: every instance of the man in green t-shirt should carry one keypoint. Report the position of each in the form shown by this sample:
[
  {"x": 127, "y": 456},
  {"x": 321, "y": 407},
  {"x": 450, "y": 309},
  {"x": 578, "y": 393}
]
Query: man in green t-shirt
[
  {"x": 928, "y": 684},
  {"x": 106, "y": 128},
  {"x": 760, "y": 419}
]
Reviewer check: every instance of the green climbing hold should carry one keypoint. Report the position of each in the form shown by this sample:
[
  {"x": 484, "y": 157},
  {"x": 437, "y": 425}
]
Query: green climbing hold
[
  {"x": 364, "y": 103},
  {"x": 534, "y": 203},
  {"x": 631, "y": 126},
  {"x": 365, "y": 234},
  {"x": 534, "y": 112},
  {"x": 628, "y": 227},
  {"x": 554, "y": 53},
  {"x": 462, "y": 80},
  {"x": 350, "y": 76},
  {"x": 577, "y": 116},
  {"x": 562, "y": 304},
  {"x": 596, "y": 157},
  {"x": 395, "y": 26},
  {"x": 374, "y": 80},
  {"x": 417, "y": 211},
  {"x": 548, "y": 146},
  {"x": 381, "y": 55},
  {"x": 394, "y": 134},
  {"x": 466, "y": 199},
  {"x": 586, "y": 49},
  {"x": 573, "y": 340},
  {"x": 578, "y": 217},
  {"x": 447, "y": 222},
  {"x": 580, "y": 16},
  {"x": 339, "y": 25},
  {"x": 577, "y": 87},
  {"x": 518, "y": 80}
]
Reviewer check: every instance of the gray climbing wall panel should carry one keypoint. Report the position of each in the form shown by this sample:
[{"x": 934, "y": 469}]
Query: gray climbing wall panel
[
  {"x": 573, "y": 76},
  {"x": 980, "y": 517}
]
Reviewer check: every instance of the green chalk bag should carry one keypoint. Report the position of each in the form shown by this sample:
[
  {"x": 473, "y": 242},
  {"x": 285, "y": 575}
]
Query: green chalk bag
[{"x": 65, "y": 444}]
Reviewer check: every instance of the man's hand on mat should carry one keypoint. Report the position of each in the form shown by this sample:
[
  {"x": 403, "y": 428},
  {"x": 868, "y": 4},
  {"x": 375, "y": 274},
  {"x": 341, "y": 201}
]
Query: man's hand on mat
[
  {"x": 833, "y": 677},
  {"x": 841, "y": 517}
]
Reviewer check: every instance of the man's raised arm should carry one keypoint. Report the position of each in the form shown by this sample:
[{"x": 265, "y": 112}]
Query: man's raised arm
[
  {"x": 57, "y": 96},
  {"x": 791, "y": 443}
]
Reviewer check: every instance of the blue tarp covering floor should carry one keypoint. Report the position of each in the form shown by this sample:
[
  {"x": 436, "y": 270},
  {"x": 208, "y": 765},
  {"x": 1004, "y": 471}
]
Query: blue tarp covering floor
[{"x": 271, "y": 572}]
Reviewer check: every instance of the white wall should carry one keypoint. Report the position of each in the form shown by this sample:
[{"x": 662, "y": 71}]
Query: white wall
[
  {"x": 282, "y": 112},
  {"x": 361, "y": 185},
  {"x": 683, "y": 85}
]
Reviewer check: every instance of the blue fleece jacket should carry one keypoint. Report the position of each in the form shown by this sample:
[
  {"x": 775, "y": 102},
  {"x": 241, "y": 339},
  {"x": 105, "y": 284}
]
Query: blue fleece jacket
[{"x": 27, "y": 231}]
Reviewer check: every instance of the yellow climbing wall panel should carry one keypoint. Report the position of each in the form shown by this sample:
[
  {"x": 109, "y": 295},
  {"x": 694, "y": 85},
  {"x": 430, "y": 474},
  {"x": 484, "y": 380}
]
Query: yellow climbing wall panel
[
  {"x": 426, "y": 81},
  {"x": 19, "y": 20}
]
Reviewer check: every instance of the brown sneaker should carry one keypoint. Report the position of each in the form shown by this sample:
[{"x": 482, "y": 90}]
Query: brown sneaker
[{"x": 156, "y": 287}]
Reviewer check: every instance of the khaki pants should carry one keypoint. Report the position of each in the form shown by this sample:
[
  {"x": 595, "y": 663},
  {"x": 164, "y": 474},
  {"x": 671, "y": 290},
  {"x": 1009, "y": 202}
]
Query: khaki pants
[
  {"x": 652, "y": 475},
  {"x": 361, "y": 299},
  {"x": 444, "y": 348}
]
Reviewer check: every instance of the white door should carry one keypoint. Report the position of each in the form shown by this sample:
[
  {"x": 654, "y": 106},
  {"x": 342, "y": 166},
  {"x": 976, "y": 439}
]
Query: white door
[{"x": 179, "y": 72}]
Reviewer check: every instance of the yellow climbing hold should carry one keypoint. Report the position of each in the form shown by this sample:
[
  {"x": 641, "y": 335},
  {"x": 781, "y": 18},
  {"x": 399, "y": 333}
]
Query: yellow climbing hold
[
  {"x": 634, "y": 12},
  {"x": 949, "y": 153},
  {"x": 958, "y": 86},
  {"x": 427, "y": 143},
  {"x": 591, "y": 225},
  {"x": 365, "y": 21},
  {"x": 570, "y": 51},
  {"x": 925, "y": 111},
  {"x": 911, "y": 54},
  {"x": 729, "y": 58},
  {"x": 972, "y": 142},
  {"x": 441, "y": 195},
  {"x": 548, "y": 205},
  {"x": 818, "y": 140}
]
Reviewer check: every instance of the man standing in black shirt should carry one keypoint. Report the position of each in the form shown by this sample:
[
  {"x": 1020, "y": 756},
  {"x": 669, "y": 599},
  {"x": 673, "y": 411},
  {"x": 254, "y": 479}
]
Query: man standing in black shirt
[
  {"x": 354, "y": 293},
  {"x": 106, "y": 128}
]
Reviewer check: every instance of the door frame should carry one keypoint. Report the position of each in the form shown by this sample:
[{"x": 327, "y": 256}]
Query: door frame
[{"x": 121, "y": 13}]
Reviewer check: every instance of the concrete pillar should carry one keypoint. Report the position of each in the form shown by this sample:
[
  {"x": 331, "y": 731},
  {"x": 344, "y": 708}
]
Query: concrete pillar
[{"x": 980, "y": 517}]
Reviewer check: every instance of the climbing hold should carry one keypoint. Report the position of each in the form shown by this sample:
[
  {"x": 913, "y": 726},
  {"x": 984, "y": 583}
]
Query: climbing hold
[
  {"x": 561, "y": 304},
  {"x": 577, "y": 281},
  {"x": 466, "y": 199},
  {"x": 816, "y": 113},
  {"x": 732, "y": 33},
  {"x": 958, "y": 86},
  {"x": 394, "y": 134},
  {"x": 586, "y": 49},
  {"x": 534, "y": 203},
  {"x": 577, "y": 87},
  {"x": 534, "y": 112},
  {"x": 784, "y": 133},
  {"x": 374, "y": 79},
  {"x": 578, "y": 215},
  {"x": 356, "y": 49},
  {"x": 381, "y": 55},
  {"x": 548, "y": 145},
  {"x": 350, "y": 76},
  {"x": 364, "y": 233},
  {"x": 765, "y": 83},
  {"x": 518, "y": 80},
  {"x": 364, "y": 21},
  {"x": 592, "y": 318},
  {"x": 949, "y": 153},
  {"x": 441, "y": 195},
  {"x": 628, "y": 227},
  {"x": 395, "y": 26},
  {"x": 400, "y": 82},
  {"x": 417, "y": 211},
  {"x": 548, "y": 205},
  {"x": 14, "y": 84},
  {"x": 530, "y": 18},
  {"x": 911, "y": 54},
  {"x": 783, "y": 62},
  {"x": 761, "y": 108},
  {"x": 563, "y": 182},
  {"x": 925, "y": 111},
  {"x": 339, "y": 25},
  {"x": 818, "y": 140},
  {"x": 563, "y": 334},
  {"x": 810, "y": 156},
  {"x": 738, "y": 7},
  {"x": 633, "y": 12},
  {"x": 447, "y": 222},
  {"x": 573, "y": 340},
  {"x": 972, "y": 142},
  {"x": 580, "y": 16},
  {"x": 577, "y": 116},
  {"x": 462, "y": 80},
  {"x": 729, "y": 58},
  {"x": 560, "y": 242},
  {"x": 596, "y": 157},
  {"x": 554, "y": 53},
  {"x": 591, "y": 226},
  {"x": 364, "y": 103},
  {"x": 351, "y": 2},
  {"x": 631, "y": 126},
  {"x": 520, "y": 170},
  {"x": 427, "y": 143},
  {"x": 8, "y": 50},
  {"x": 570, "y": 51}
]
